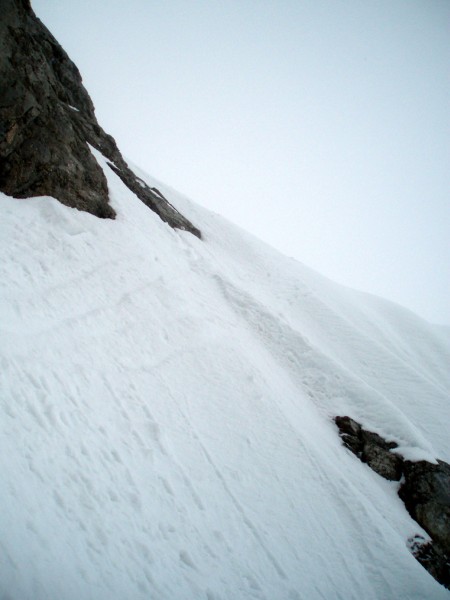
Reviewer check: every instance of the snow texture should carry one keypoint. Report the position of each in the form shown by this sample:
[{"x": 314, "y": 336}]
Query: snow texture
[{"x": 166, "y": 416}]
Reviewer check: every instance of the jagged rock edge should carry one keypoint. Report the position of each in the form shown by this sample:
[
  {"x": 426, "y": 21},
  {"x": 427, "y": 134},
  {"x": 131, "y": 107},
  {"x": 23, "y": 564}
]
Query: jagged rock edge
[{"x": 47, "y": 121}]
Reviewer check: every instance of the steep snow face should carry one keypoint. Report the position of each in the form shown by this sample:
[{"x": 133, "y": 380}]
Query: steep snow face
[{"x": 166, "y": 414}]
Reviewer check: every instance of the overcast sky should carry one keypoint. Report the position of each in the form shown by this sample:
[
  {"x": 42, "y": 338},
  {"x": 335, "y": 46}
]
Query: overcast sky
[{"x": 322, "y": 126}]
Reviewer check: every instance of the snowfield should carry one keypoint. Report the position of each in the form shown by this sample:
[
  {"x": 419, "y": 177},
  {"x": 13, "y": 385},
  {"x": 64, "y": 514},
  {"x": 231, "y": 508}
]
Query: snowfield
[{"x": 167, "y": 405}]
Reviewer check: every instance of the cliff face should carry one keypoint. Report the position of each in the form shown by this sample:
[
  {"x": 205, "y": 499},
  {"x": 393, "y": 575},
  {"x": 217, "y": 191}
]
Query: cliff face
[{"x": 47, "y": 120}]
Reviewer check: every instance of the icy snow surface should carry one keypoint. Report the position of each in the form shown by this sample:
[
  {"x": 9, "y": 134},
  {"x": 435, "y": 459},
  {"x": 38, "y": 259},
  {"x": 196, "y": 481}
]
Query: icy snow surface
[{"x": 166, "y": 415}]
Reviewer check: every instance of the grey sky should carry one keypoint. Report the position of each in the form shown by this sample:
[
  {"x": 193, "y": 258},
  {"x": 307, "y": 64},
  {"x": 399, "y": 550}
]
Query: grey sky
[{"x": 321, "y": 126}]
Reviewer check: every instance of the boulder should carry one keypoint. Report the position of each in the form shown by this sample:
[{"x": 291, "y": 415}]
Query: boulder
[
  {"x": 426, "y": 494},
  {"x": 370, "y": 448}
]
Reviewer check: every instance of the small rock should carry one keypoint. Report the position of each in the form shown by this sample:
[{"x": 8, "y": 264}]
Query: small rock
[
  {"x": 348, "y": 426},
  {"x": 350, "y": 432},
  {"x": 382, "y": 461}
]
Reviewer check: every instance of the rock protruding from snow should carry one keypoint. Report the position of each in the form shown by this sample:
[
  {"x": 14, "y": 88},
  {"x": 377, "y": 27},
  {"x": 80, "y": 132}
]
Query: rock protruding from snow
[
  {"x": 370, "y": 448},
  {"x": 432, "y": 556},
  {"x": 426, "y": 494},
  {"x": 47, "y": 120},
  {"x": 425, "y": 490}
]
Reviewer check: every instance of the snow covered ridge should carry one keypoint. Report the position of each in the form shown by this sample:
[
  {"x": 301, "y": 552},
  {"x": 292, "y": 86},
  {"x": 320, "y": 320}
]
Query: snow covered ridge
[{"x": 167, "y": 407}]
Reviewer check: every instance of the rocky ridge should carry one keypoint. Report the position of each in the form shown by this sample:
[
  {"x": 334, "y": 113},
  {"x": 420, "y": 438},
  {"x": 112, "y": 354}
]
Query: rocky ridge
[
  {"x": 47, "y": 122},
  {"x": 424, "y": 489}
]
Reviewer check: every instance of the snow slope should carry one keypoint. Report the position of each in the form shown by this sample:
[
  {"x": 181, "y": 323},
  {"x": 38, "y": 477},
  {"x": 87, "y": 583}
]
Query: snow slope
[{"x": 166, "y": 409}]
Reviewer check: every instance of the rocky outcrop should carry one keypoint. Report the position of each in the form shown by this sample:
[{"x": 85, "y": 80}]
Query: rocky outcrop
[
  {"x": 370, "y": 448},
  {"x": 425, "y": 491},
  {"x": 426, "y": 494},
  {"x": 47, "y": 120}
]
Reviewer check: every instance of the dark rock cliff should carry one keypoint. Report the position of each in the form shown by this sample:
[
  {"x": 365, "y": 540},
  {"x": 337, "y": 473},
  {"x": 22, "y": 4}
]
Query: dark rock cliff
[{"x": 47, "y": 120}]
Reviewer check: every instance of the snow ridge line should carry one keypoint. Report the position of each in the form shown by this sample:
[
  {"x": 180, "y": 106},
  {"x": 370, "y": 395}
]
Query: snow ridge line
[{"x": 310, "y": 368}]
